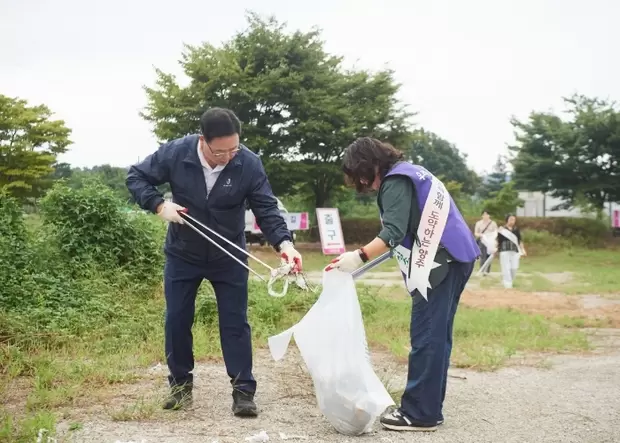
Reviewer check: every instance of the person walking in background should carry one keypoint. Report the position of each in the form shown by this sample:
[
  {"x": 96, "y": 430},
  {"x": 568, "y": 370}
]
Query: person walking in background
[
  {"x": 484, "y": 226},
  {"x": 436, "y": 253},
  {"x": 510, "y": 247}
]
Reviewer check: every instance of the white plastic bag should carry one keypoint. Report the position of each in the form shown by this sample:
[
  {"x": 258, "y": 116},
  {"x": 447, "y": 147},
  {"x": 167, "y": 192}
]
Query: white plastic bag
[
  {"x": 488, "y": 239},
  {"x": 332, "y": 341}
]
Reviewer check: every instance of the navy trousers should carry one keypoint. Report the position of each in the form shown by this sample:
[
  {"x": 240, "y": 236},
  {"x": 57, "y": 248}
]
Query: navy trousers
[
  {"x": 230, "y": 283},
  {"x": 431, "y": 345}
]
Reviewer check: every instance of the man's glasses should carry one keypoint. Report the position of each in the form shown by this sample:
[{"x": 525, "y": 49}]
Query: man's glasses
[{"x": 222, "y": 154}]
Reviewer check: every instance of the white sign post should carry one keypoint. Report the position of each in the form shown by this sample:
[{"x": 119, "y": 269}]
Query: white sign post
[{"x": 330, "y": 231}]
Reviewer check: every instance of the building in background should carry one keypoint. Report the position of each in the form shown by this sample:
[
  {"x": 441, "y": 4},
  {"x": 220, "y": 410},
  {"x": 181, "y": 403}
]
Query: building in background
[{"x": 537, "y": 204}]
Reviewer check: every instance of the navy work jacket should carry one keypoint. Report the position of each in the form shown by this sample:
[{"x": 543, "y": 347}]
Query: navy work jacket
[{"x": 243, "y": 178}]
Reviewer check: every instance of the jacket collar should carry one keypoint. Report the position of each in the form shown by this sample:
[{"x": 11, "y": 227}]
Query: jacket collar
[{"x": 192, "y": 153}]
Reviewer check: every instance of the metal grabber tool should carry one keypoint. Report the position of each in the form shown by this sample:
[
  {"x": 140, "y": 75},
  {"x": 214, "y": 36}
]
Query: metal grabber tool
[
  {"x": 372, "y": 264},
  {"x": 285, "y": 271}
]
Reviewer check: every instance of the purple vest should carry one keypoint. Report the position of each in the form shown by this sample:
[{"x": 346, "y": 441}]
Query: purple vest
[{"x": 457, "y": 238}]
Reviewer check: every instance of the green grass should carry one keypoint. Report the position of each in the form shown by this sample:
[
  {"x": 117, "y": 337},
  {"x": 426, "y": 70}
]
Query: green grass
[
  {"x": 27, "y": 429},
  {"x": 593, "y": 272},
  {"x": 483, "y": 338},
  {"x": 52, "y": 376},
  {"x": 578, "y": 260}
]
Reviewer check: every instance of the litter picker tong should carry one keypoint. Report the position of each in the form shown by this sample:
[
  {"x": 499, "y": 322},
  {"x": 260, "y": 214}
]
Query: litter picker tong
[
  {"x": 285, "y": 271},
  {"x": 372, "y": 264}
]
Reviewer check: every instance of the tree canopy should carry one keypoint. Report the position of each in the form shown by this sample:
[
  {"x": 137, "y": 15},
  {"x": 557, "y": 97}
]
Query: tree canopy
[
  {"x": 30, "y": 141},
  {"x": 442, "y": 158},
  {"x": 504, "y": 201},
  {"x": 574, "y": 159},
  {"x": 494, "y": 181},
  {"x": 297, "y": 103}
]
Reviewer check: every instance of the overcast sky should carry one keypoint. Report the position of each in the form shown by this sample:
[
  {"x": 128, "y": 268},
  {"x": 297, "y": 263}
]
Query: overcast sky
[{"x": 466, "y": 66}]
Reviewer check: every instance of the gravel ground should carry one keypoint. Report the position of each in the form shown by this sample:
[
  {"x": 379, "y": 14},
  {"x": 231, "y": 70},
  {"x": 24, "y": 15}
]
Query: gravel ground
[{"x": 576, "y": 399}]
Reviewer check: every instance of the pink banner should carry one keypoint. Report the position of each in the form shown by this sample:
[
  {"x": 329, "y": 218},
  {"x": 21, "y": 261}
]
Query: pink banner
[
  {"x": 616, "y": 219},
  {"x": 303, "y": 222},
  {"x": 296, "y": 221}
]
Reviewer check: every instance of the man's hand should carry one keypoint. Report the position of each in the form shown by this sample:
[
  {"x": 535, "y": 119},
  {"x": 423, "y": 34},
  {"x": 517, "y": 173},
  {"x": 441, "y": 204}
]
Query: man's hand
[
  {"x": 347, "y": 262},
  {"x": 169, "y": 211},
  {"x": 290, "y": 254}
]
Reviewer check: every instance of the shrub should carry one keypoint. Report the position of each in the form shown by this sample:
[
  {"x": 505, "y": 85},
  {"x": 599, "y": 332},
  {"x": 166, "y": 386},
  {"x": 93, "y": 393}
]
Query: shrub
[
  {"x": 90, "y": 225},
  {"x": 576, "y": 231},
  {"x": 75, "y": 271},
  {"x": 542, "y": 242},
  {"x": 15, "y": 256}
]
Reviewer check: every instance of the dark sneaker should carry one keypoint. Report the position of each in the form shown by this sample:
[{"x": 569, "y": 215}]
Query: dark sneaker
[
  {"x": 396, "y": 421},
  {"x": 440, "y": 422},
  {"x": 180, "y": 397},
  {"x": 243, "y": 404}
]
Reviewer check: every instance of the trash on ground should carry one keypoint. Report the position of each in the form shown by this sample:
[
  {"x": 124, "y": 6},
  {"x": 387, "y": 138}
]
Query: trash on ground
[
  {"x": 283, "y": 436},
  {"x": 258, "y": 438}
]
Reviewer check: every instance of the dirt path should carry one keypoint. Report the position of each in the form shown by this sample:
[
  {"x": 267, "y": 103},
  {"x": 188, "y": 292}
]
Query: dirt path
[
  {"x": 590, "y": 307},
  {"x": 576, "y": 400}
]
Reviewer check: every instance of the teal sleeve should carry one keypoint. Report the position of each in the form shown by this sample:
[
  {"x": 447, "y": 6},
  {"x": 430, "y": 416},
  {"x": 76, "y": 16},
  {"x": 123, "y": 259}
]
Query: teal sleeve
[{"x": 396, "y": 198}]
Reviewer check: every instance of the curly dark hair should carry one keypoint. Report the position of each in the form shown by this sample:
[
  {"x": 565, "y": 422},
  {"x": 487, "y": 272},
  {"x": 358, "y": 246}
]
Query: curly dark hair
[{"x": 365, "y": 158}]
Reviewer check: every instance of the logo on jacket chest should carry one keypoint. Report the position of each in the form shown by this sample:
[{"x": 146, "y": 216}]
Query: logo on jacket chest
[{"x": 227, "y": 183}]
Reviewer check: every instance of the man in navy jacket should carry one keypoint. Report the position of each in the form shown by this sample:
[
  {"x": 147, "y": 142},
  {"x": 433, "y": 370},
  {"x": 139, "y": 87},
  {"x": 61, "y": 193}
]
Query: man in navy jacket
[{"x": 211, "y": 176}]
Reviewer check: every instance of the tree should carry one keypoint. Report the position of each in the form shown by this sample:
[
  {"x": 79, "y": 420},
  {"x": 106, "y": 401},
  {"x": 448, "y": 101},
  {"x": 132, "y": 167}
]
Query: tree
[
  {"x": 29, "y": 144},
  {"x": 504, "y": 201},
  {"x": 575, "y": 159},
  {"x": 495, "y": 180},
  {"x": 299, "y": 108},
  {"x": 111, "y": 176},
  {"x": 62, "y": 171},
  {"x": 442, "y": 158}
]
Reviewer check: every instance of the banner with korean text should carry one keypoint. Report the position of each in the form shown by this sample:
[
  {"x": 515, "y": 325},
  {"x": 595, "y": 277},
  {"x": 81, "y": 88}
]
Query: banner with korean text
[
  {"x": 330, "y": 231},
  {"x": 296, "y": 221}
]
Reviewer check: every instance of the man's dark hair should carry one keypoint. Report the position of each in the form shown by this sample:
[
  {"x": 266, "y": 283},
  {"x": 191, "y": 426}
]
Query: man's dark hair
[
  {"x": 484, "y": 211},
  {"x": 366, "y": 157},
  {"x": 219, "y": 122}
]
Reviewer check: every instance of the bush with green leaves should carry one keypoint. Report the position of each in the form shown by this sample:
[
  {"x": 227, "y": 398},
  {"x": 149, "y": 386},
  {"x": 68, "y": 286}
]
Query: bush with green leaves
[
  {"x": 15, "y": 256},
  {"x": 91, "y": 225},
  {"x": 77, "y": 270}
]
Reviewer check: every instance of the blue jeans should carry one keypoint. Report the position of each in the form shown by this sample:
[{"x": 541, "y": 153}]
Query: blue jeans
[
  {"x": 230, "y": 284},
  {"x": 431, "y": 345}
]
